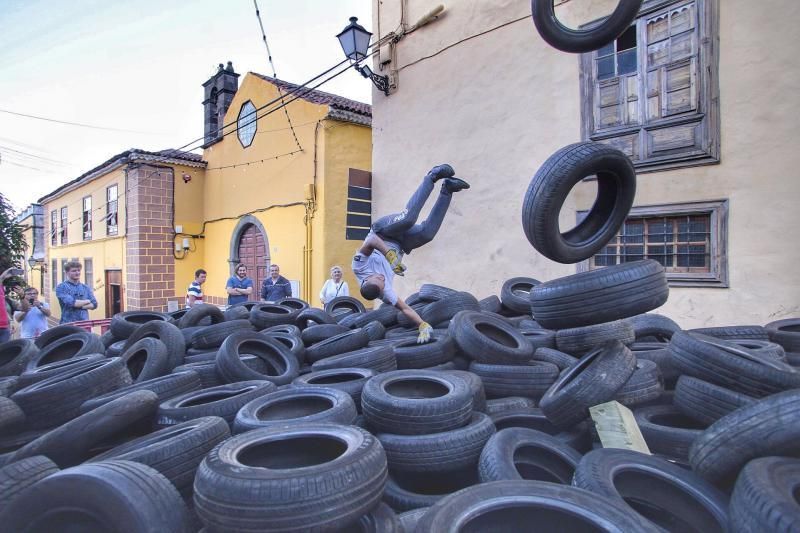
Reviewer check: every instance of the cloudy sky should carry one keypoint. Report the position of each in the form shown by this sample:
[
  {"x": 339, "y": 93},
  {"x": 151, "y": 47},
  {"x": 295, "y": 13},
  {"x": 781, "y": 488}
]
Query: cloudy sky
[{"x": 135, "y": 68}]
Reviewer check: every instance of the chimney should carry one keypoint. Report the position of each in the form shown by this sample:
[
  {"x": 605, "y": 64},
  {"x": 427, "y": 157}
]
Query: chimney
[{"x": 219, "y": 91}]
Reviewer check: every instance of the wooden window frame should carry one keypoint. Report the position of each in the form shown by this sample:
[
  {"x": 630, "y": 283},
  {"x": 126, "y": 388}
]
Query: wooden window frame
[
  {"x": 112, "y": 229},
  {"x": 88, "y": 272},
  {"x": 718, "y": 254},
  {"x": 642, "y": 135},
  {"x": 240, "y": 127},
  {"x": 86, "y": 218},
  {"x": 54, "y": 274},
  {"x": 54, "y": 227},
  {"x": 64, "y": 226}
]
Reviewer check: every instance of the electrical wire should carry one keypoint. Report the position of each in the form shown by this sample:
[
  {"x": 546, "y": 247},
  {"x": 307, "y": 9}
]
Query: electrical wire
[
  {"x": 274, "y": 74},
  {"x": 72, "y": 123},
  {"x": 248, "y": 163}
]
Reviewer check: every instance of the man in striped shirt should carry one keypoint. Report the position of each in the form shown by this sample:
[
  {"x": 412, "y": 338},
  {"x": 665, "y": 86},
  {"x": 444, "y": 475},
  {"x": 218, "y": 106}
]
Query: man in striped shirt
[{"x": 194, "y": 294}]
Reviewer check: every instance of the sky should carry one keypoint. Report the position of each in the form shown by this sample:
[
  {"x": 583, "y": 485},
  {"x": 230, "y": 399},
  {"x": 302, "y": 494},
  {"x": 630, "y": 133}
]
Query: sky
[{"x": 137, "y": 68}]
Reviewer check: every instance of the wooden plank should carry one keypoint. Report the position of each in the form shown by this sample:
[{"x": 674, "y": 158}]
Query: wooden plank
[{"x": 617, "y": 428}]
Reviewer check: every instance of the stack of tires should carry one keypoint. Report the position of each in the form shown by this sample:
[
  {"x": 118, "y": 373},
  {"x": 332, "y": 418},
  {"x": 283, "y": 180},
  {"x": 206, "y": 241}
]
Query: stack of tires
[{"x": 286, "y": 417}]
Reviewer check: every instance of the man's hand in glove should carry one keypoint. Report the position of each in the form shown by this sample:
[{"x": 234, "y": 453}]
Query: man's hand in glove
[
  {"x": 425, "y": 331},
  {"x": 394, "y": 261}
]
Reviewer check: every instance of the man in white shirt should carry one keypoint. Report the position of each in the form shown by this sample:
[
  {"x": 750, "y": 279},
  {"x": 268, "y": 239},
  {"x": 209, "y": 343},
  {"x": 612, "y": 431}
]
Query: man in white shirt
[
  {"x": 32, "y": 315},
  {"x": 380, "y": 256}
]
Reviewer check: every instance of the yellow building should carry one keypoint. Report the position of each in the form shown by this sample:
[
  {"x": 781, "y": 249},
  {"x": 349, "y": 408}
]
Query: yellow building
[{"x": 288, "y": 186}]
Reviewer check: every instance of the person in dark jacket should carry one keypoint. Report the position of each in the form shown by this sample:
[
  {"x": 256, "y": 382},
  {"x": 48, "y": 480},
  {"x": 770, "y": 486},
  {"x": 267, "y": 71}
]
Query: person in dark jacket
[{"x": 275, "y": 287}]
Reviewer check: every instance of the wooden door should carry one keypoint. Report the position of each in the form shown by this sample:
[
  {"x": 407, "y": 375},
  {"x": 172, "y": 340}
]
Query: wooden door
[
  {"x": 114, "y": 299},
  {"x": 254, "y": 254}
]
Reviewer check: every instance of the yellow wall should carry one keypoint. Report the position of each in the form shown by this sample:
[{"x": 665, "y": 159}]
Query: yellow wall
[
  {"x": 106, "y": 252},
  {"x": 189, "y": 215}
]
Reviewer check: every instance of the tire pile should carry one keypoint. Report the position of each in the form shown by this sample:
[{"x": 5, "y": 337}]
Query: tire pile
[{"x": 283, "y": 417}]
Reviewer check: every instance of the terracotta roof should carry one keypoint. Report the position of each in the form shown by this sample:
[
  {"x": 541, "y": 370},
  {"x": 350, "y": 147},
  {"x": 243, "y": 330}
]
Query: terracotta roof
[
  {"x": 320, "y": 97},
  {"x": 169, "y": 155}
]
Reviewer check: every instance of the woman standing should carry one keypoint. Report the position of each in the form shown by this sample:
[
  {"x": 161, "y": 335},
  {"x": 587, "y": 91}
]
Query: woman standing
[{"x": 334, "y": 287}]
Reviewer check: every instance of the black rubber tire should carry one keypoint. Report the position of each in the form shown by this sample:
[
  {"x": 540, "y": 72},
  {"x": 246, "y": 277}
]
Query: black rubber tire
[
  {"x": 17, "y": 477},
  {"x": 57, "y": 332},
  {"x": 344, "y": 342},
  {"x": 508, "y": 505},
  {"x": 198, "y": 312},
  {"x": 319, "y": 477},
  {"x": 498, "y": 406},
  {"x": 200, "y": 357},
  {"x": 175, "y": 451},
  {"x": 73, "y": 442},
  {"x": 706, "y": 402},
  {"x": 55, "y": 400},
  {"x": 8, "y": 385},
  {"x": 411, "y": 490},
  {"x": 770, "y": 426},
  {"x": 645, "y": 385},
  {"x": 409, "y": 354},
  {"x": 382, "y": 519},
  {"x": 653, "y": 325},
  {"x": 205, "y": 370},
  {"x": 47, "y": 371},
  {"x": 522, "y": 453},
  {"x": 446, "y": 308},
  {"x": 734, "y": 332},
  {"x": 667, "y": 431},
  {"x": 294, "y": 303},
  {"x": 658, "y": 352},
  {"x": 116, "y": 348},
  {"x": 296, "y": 405},
  {"x": 14, "y": 356},
  {"x": 385, "y": 314},
  {"x": 125, "y": 323},
  {"x": 786, "y": 333},
  {"x": 539, "y": 338},
  {"x": 319, "y": 332},
  {"x": 770, "y": 350},
  {"x": 281, "y": 366},
  {"x": 596, "y": 378},
  {"x": 187, "y": 334},
  {"x": 580, "y": 41},
  {"x": 576, "y": 437},
  {"x": 213, "y": 336},
  {"x": 77, "y": 344},
  {"x": 602, "y": 295},
  {"x": 311, "y": 316},
  {"x": 764, "y": 498},
  {"x": 378, "y": 358},
  {"x": 416, "y": 402},
  {"x": 146, "y": 359},
  {"x": 475, "y": 386},
  {"x": 291, "y": 342},
  {"x": 265, "y": 315},
  {"x": 223, "y": 401},
  {"x": 492, "y": 304},
  {"x": 731, "y": 366},
  {"x": 669, "y": 496},
  {"x": 549, "y": 188},
  {"x": 165, "y": 387},
  {"x": 438, "y": 452},
  {"x": 288, "y": 329},
  {"x": 560, "y": 359},
  {"x": 12, "y": 418},
  {"x": 487, "y": 339},
  {"x": 237, "y": 312},
  {"x": 515, "y": 294},
  {"x": 409, "y": 519},
  {"x": 108, "y": 338},
  {"x": 375, "y": 330},
  {"x": 531, "y": 379},
  {"x": 349, "y": 380},
  {"x": 346, "y": 304},
  {"x": 581, "y": 340},
  {"x": 430, "y": 292},
  {"x": 120, "y": 496}
]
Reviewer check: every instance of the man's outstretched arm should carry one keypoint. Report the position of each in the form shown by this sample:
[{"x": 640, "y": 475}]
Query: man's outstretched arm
[
  {"x": 372, "y": 243},
  {"x": 425, "y": 329}
]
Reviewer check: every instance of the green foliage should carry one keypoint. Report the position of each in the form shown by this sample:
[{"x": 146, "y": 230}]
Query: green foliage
[{"x": 12, "y": 242}]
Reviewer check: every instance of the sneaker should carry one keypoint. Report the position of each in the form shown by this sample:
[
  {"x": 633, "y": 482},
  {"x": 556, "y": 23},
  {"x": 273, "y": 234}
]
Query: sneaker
[
  {"x": 455, "y": 184},
  {"x": 441, "y": 172}
]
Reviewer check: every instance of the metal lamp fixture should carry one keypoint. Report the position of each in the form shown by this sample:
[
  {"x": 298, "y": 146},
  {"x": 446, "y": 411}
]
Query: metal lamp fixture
[{"x": 355, "y": 42}]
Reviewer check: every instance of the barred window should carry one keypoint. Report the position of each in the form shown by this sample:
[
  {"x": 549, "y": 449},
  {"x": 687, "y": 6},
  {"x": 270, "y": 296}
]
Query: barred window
[
  {"x": 53, "y": 227},
  {"x": 87, "y": 218},
  {"x": 88, "y": 271},
  {"x": 64, "y": 225},
  {"x": 111, "y": 210},
  {"x": 690, "y": 240}
]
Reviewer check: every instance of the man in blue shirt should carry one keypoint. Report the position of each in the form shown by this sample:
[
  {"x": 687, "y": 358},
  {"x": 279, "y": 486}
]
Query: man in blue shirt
[
  {"x": 239, "y": 287},
  {"x": 75, "y": 297},
  {"x": 275, "y": 287}
]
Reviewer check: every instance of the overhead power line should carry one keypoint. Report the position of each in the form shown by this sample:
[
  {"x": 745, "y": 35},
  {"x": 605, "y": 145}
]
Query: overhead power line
[{"x": 68, "y": 123}]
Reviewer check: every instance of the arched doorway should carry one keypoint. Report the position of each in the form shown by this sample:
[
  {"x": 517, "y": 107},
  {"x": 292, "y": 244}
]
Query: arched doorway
[{"x": 249, "y": 245}]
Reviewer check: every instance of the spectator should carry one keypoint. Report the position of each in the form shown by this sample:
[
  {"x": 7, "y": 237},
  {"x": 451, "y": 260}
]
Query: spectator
[
  {"x": 239, "y": 287},
  {"x": 334, "y": 287},
  {"x": 32, "y": 315},
  {"x": 194, "y": 294},
  {"x": 5, "y": 322},
  {"x": 275, "y": 287},
  {"x": 74, "y": 297}
]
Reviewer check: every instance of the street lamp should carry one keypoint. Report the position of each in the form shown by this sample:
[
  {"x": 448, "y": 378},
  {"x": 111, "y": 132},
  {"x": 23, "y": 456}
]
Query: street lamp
[{"x": 355, "y": 42}]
